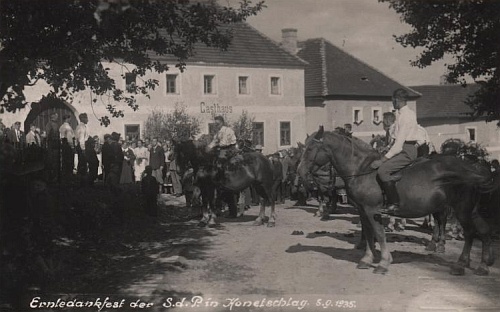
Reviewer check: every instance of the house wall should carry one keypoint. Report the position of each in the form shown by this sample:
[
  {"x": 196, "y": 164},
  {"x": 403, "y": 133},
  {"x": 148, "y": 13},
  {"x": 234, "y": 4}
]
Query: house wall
[
  {"x": 260, "y": 103},
  {"x": 441, "y": 129},
  {"x": 336, "y": 113}
]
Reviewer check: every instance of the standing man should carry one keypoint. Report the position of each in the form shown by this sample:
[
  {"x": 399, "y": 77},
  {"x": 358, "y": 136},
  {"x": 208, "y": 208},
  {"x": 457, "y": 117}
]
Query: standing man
[
  {"x": 115, "y": 163},
  {"x": 32, "y": 138},
  {"x": 16, "y": 136},
  {"x": 106, "y": 156},
  {"x": 53, "y": 146},
  {"x": 402, "y": 153},
  {"x": 67, "y": 148},
  {"x": 82, "y": 136},
  {"x": 157, "y": 160}
]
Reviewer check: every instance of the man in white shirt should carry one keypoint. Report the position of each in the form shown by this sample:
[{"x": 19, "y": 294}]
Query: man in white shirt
[
  {"x": 33, "y": 138},
  {"x": 225, "y": 139},
  {"x": 82, "y": 136},
  {"x": 425, "y": 146},
  {"x": 402, "y": 153}
]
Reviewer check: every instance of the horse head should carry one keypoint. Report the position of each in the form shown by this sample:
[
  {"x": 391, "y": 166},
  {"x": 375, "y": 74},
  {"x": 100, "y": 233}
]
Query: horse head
[{"x": 314, "y": 155}]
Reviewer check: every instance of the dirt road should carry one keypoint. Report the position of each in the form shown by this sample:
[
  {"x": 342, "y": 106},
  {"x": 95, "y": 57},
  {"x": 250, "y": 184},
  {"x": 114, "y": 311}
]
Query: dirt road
[{"x": 241, "y": 267}]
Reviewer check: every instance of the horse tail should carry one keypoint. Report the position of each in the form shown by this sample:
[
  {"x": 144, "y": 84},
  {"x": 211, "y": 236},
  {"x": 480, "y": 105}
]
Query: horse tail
[{"x": 467, "y": 176}]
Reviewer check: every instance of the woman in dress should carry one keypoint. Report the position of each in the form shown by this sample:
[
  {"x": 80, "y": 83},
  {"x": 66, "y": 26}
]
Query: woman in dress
[
  {"x": 127, "y": 175},
  {"x": 141, "y": 160}
]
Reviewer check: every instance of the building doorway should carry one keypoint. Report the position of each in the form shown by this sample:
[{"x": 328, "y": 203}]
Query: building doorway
[{"x": 39, "y": 114}]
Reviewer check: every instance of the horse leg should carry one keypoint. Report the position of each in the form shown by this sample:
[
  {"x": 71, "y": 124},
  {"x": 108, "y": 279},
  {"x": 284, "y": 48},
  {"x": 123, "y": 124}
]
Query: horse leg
[
  {"x": 262, "y": 213},
  {"x": 463, "y": 262},
  {"x": 272, "y": 216},
  {"x": 432, "y": 246},
  {"x": 369, "y": 242},
  {"x": 441, "y": 220},
  {"x": 487, "y": 257},
  {"x": 375, "y": 220},
  {"x": 325, "y": 212}
]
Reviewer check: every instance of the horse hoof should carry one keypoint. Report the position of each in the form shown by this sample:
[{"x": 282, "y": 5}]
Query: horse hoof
[
  {"x": 363, "y": 265},
  {"x": 258, "y": 222},
  {"x": 480, "y": 271},
  {"x": 325, "y": 218},
  {"x": 271, "y": 224},
  {"x": 202, "y": 224},
  {"x": 457, "y": 270},
  {"x": 380, "y": 270},
  {"x": 212, "y": 225},
  {"x": 440, "y": 248}
]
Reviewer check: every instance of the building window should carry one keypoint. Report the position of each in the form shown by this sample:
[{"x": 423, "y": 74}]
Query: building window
[
  {"x": 172, "y": 84},
  {"x": 357, "y": 115},
  {"x": 130, "y": 82},
  {"x": 471, "y": 134},
  {"x": 376, "y": 116},
  {"x": 275, "y": 85},
  {"x": 243, "y": 85},
  {"x": 285, "y": 133},
  {"x": 132, "y": 132},
  {"x": 258, "y": 133},
  {"x": 209, "y": 84}
]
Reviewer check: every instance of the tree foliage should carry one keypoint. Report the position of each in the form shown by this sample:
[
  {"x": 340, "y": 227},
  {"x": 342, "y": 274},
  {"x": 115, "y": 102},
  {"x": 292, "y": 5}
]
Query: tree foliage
[
  {"x": 471, "y": 151},
  {"x": 469, "y": 31},
  {"x": 64, "y": 42},
  {"x": 178, "y": 125},
  {"x": 243, "y": 126}
]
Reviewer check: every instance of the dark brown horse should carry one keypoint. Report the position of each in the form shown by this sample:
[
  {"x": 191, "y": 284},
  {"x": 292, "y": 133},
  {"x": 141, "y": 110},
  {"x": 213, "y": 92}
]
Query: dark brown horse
[
  {"x": 485, "y": 221},
  {"x": 423, "y": 187},
  {"x": 240, "y": 171}
]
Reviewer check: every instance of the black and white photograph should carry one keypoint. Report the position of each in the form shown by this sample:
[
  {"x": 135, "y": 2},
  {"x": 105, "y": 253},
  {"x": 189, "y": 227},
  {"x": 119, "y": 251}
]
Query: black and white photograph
[{"x": 248, "y": 155}]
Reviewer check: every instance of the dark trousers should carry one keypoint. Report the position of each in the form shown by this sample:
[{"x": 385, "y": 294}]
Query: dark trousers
[
  {"x": 68, "y": 161},
  {"x": 93, "y": 165},
  {"x": 397, "y": 162},
  {"x": 53, "y": 163},
  {"x": 82, "y": 168}
]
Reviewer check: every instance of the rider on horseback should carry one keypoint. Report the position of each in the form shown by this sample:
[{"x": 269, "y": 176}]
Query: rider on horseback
[
  {"x": 224, "y": 140},
  {"x": 402, "y": 153}
]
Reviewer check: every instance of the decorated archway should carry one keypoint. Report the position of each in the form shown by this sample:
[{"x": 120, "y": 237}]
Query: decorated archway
[{"x": 40, "y": 112}]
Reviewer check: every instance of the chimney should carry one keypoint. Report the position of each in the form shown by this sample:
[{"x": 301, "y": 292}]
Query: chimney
[{"x": 289, "y": 40}]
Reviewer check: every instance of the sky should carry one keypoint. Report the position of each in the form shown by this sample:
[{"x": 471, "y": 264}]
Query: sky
[{"x": 362, "y": 28}]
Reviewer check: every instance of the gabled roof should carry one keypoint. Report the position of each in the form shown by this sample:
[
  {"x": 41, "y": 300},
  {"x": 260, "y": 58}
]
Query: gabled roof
[
  {"x": 333, "y": 72},
  {"x": 248, "y": 48},
  {"x": 440, "y": 101}
]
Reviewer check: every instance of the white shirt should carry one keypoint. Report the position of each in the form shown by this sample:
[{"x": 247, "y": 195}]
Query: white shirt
[
  {"x": 224, "y": 137},
  {"x": 66, "y": 132},
  {"x": 81, "y": 135},
  {"x": 405, "y": 129}
]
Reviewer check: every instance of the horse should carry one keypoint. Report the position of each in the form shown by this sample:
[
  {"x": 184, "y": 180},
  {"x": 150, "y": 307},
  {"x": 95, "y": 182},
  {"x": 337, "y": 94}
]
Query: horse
[
  {"x": 425, "y": 187},
  {"x": 239, "y": 172},
  {"x": 484, "y": 222}
]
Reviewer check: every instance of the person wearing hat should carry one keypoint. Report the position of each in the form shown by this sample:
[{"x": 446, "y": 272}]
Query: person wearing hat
[{"x": 258, "y": 148}]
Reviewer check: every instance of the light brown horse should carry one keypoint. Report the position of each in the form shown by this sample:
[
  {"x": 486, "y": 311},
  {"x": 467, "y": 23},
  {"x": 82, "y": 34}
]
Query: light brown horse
[{"x": 423, "y": 187}]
